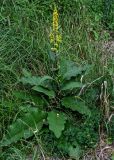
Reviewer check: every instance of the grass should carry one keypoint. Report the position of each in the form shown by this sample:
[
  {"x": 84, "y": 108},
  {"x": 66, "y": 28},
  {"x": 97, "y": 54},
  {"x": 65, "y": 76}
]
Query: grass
[{"x": 24, "y": 40}]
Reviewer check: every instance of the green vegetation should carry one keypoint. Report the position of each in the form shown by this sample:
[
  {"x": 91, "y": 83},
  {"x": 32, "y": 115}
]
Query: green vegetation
[{"x": 55, "y": 98}]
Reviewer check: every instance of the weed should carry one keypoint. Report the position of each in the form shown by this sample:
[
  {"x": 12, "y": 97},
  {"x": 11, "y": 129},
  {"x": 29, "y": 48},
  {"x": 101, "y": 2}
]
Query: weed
[{"x": 57, "y": 88}]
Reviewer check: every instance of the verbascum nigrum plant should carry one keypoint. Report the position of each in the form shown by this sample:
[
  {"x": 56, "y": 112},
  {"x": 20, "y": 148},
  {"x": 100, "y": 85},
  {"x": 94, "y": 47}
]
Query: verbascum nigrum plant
[{"x": 55, "y": 102}]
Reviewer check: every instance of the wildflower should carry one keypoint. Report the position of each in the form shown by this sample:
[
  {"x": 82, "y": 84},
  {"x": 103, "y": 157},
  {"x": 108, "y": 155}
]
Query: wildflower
[
  {"x": 58, "y": 38},
  {"x": 55, "y": 36},
  {"x": 55, "y": 20},
  {"x": 51, "y": 37}
]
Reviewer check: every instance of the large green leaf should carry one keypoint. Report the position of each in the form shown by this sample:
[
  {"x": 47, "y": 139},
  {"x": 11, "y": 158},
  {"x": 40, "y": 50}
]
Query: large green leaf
[
  {"x": 56, "y": 122},
  {"x": 69, "y": 69},
  {"x": 73, "y": 72},
  {"x": 72, "y": 148},
  {"x": 29, "y": 97},
  {"x": 24, "y": 127},
  {"x": 76, "y": 105},
  {"x": 35, "y": 80},
  {"x": 47, "y": 92},
  {"x": 71, "y": 85},
  {"x": 45, "y": 78},
  {"x": 75, "y": 152},
  {"x": 65, "y": 65}
]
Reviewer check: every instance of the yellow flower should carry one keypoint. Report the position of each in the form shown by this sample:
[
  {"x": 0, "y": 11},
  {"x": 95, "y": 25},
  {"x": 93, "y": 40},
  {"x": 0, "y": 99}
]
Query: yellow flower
[
  {"x": 58, "y": 38},
  {"x": 55, "y": 36},
  {"x": 55, "y": 20},
  {"x": 51, "y": 37}
]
